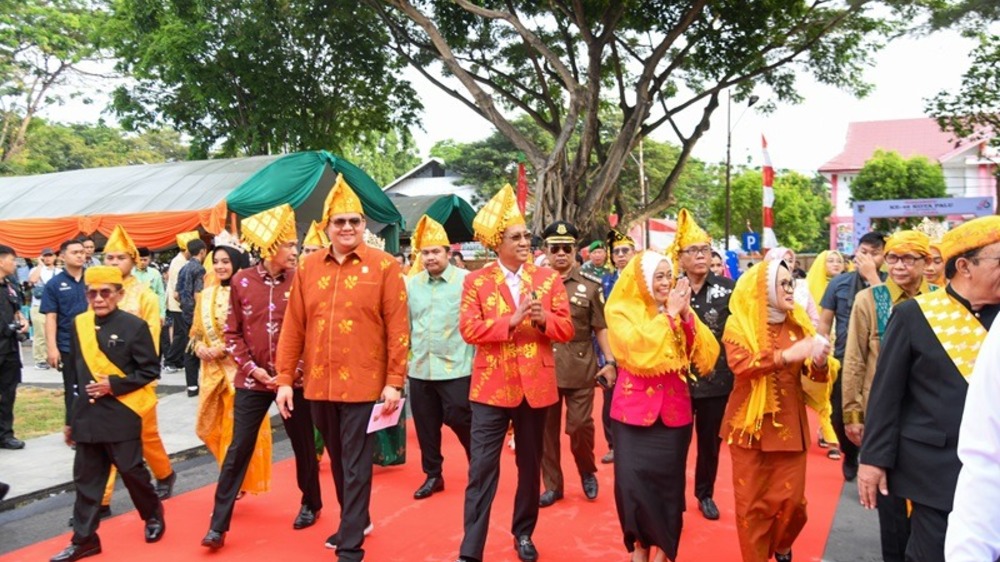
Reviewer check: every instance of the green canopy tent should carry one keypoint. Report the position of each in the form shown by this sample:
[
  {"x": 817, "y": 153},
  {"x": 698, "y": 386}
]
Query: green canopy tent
[
  {"x": 303, "y": 180},
  {"x": 453, "y": 212}
]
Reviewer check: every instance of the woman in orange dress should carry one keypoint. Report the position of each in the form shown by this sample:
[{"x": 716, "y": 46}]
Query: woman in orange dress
[
  {"x": 656, "y": 339},
  {"x": 771, "y": 345}
]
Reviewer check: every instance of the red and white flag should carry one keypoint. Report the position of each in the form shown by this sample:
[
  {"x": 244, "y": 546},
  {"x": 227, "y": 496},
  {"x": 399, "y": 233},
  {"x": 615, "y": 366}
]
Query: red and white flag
[{"x": 768, "y": 240}]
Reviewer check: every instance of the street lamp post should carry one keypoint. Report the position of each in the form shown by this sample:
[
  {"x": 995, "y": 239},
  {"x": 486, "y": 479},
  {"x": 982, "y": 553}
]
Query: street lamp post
[{"x": 729, "y": 144}]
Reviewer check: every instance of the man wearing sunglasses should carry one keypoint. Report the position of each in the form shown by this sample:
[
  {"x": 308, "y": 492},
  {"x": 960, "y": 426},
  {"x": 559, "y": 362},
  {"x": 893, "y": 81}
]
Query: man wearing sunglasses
[
  {"x": 576, "y": 368},
  {"x": 692, "y": 252},
  {"x": 911, "y": 426},
  {"x": 906, "y": 254},
  {"x": 116, "y": 360}
]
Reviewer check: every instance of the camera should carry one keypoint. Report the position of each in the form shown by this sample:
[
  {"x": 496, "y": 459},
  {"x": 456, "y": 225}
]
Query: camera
[{"x": 14, "y": 330}]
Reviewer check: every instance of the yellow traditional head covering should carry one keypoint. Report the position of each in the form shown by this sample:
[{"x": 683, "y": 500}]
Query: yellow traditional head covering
[
  {"x": 341, "y": 200},
  {"x": 906, "y": 241},
  {"x": 747, "y": 328},
  {"x": 496, "y": 216},
  {"x": 641, "y": 337},
  {"x": 817, "y": 278},
  {"x": 185, "y": 237},
  {"x": 616, "y": 239},
  {"x": 120, "y": 241},
  {"x": 427, "y": 234},
  {"x": 102, "y": 275},
  {"x": 688, "y": 233},
  {"x": 267, "y": 230},
  {"x": 970, "y": 235},
  {"x": 316, "y": 236}
]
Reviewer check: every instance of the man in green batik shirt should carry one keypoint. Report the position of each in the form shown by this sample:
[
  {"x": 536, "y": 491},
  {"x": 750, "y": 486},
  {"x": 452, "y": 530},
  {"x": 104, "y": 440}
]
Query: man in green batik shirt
[
  {"x": 440, "y": 365},
  {"x": 150, "y": 277}
]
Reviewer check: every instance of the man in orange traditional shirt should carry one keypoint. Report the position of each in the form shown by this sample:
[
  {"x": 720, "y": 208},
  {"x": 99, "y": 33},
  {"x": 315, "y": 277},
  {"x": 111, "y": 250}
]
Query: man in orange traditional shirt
[
  {"x": 512, "y": 311},
  {"x": 347, "y": 320}
]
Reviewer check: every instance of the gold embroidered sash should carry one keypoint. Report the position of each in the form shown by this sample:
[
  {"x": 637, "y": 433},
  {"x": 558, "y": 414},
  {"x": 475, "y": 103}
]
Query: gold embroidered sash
[
  {"x": 140, "y": 401},
  {"x": 959, "y": 332}
]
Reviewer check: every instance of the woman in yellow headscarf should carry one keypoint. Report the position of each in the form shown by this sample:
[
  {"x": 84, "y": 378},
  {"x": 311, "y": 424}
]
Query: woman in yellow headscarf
[
  {"x": 934, "y": 266},
  {"x": 214, "y": 424},
  {"x": 771, "y": 345},
  {"x": 656, "y": 339},
  {"x": 827, "y": 265}
]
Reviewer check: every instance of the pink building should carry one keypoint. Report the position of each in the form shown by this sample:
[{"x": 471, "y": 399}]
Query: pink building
[{"x": 968, "y": 166}]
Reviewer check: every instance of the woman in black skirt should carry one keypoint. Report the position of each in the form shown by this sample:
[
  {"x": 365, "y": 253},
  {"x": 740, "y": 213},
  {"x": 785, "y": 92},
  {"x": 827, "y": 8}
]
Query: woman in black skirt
[{"x": 656, "y": 339}]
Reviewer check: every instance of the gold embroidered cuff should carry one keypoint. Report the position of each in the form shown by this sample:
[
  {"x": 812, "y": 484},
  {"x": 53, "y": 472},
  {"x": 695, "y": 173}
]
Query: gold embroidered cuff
[{"x": 854, "y": 417}]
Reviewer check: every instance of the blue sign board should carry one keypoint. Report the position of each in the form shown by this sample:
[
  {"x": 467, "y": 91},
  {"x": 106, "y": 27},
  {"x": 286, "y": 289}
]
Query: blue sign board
[{"x": 751, "y": 242}]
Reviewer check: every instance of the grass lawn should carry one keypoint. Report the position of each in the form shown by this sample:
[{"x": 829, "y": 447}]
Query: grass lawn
[{"x": 37, "y": 411}]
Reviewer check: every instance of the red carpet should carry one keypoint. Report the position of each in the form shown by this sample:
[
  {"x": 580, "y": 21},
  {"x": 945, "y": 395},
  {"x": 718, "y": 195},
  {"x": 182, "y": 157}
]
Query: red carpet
[{"x": 431, "y": 529}]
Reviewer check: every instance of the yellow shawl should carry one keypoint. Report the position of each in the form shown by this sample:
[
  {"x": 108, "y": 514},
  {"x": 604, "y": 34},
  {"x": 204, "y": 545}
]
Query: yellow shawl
[
  {"x": 747, "y": 328},
  {"x": 140, "y": 401},
  {"x": 642, "y": 338},
  {"x": 817, "y": 278}
]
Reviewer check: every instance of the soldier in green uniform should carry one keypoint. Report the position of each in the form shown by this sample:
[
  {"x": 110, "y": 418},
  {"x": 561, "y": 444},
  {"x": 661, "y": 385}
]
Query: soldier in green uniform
[{"x": 576, "y": 368}]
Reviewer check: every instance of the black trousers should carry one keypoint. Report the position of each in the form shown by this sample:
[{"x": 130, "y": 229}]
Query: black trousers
[
  {"x": 606, "y": 417},
  {"x": 837, "y": 401},
  {"x": 437, "y": 403},
  {"x": 10, "y": 377},
  {"x": 249, "y": 409},
  {"x": 708, "y": 414},
  {"x": 344, "y": 427},
  {"x": 928, "y": 526},
  {"x": 894, "y": 527},
  {"x": 69, "y": 381},
  {"x": 192, "y": 366},
  {"x": 91, "y": 468},
  {"x": 174, "y": 357},
  {"x": 489, "y": 428}
]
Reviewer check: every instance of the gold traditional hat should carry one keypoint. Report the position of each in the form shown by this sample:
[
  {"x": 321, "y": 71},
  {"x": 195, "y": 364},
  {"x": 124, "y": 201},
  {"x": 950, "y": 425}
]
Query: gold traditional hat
[
  {"x": 316, "y": 236},
  {"x": 102, "y": 275},
  {"x": 340, "y": 200},
  {"x": 185, "y": 237},
  {"x": 970, "y": 235},
  {"x": 909, "y": 241},
  {"x": 496, "y": 216},
  {"x": 429, "y": 233},
  {"x": 688, "y": 233},
  {"x": 617, "y": 239},
  {"x": 267, "y": 230},
  {"x": 120, "y": 241}
]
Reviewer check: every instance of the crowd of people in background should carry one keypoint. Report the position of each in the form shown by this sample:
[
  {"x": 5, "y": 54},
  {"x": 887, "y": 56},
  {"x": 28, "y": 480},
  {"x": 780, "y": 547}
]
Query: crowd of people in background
[{"x": 686, "y": 351}]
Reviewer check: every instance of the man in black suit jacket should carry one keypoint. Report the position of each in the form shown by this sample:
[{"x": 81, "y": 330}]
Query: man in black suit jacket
[
  {"x": 115, "y": 362},
  {"x": 915, "y": 407}
]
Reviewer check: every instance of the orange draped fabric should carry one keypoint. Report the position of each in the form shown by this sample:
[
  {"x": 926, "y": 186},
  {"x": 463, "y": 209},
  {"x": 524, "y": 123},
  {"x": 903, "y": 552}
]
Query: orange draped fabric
[{"x": 154, "y": 230}]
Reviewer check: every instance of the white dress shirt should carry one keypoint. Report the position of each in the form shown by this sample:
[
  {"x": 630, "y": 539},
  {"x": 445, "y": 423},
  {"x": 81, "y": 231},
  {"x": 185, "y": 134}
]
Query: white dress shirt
[
  {"x": 513, "y": 281},
  {"x": 974, "y": 524}
]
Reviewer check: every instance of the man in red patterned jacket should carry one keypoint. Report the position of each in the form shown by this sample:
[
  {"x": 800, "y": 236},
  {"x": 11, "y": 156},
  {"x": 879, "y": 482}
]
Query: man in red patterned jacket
[{"x": 512, "y": 311}]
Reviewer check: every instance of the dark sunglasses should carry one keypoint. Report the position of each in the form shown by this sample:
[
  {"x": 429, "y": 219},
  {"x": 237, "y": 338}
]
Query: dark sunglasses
[
  {"x": 105, "y": 293},
  {"x": 561, "y": 248},
  {"x": 621, "y": 251},
  {"x": 341, "y": 222}
]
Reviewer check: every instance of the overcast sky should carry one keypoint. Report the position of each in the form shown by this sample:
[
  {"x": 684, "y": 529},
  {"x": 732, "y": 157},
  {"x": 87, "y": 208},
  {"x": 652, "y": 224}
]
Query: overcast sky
[{"x": 800, "y": 137}]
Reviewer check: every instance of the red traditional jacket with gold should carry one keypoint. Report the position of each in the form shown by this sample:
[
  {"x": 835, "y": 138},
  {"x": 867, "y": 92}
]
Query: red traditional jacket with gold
[{"x": 513, "y": 363}]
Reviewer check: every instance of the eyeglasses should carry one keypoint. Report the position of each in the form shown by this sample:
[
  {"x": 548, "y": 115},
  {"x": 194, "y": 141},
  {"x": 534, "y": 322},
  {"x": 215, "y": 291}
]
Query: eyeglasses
[
  {"x": 519, "y": 237},
  {"x": 621, "y": 251},
  {"x": 908, "y": 260},
  {"x": 788, "y": 285},
  {"x": 341, "y": 222},
  {"x": 698, "y": 251},
  {"x": 561, "y": 248},
  {"x": 105, "y": 293},
  {"x": 978, "y": 258}
]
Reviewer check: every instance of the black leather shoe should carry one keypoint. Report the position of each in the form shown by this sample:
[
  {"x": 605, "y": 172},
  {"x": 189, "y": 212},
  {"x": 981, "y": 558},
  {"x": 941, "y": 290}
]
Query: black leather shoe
[
  {"x": 430, "y": 487},
  {"x": 155, "y": 527},
  {"x": 783, "y": 557},
  {"x": 709, "y": 509},
  {"x": 525, "y": 549},
  {"x": 548, "y": 498},
  {"x": 165, "y": 487},
  {"x": 333, "y": 540},
  {"x": 850, "y": 470},
  {"x": 214, "y": 540},
  {"x": 306, "y": 518},
  {"x": 12, "y": 443},
  {"x": 4, "y": 488},
  {"x": 78, "y": 551},
  {"x": 590, "y": 486}
]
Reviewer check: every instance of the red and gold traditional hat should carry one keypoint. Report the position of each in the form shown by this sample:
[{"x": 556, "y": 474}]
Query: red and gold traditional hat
[
  {"x": 268, "y": 230},
  {"x": 496, "y": 216}
]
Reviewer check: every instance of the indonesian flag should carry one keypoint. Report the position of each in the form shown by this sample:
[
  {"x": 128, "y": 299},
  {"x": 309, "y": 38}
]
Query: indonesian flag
[
  {"x": 768, "y": 241},
  {"x": 522, "y": 186}
]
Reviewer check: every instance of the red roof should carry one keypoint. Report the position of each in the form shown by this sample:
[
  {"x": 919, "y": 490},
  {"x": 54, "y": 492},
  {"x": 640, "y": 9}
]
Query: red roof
[{"x": 908, "y": 137}]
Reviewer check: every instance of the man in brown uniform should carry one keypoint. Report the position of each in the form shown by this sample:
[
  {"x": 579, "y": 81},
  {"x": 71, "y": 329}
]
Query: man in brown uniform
[{"x": 576, "y": 368}]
